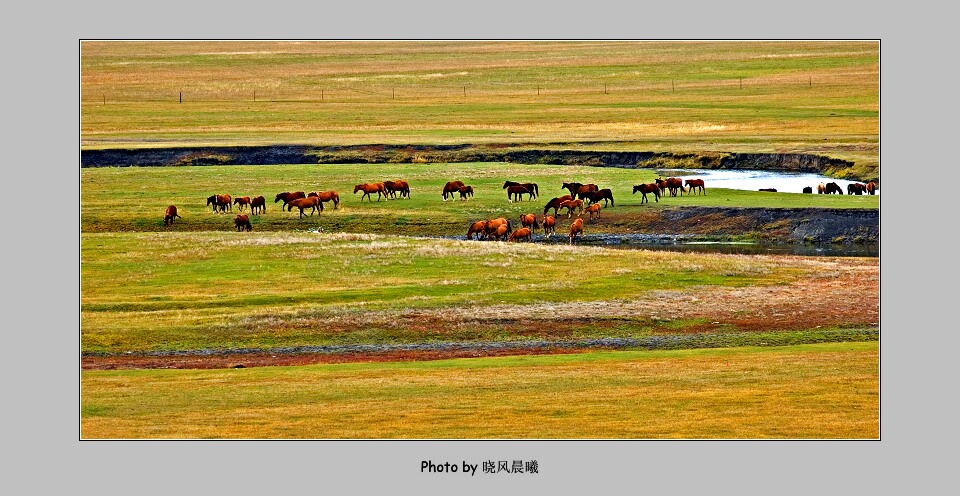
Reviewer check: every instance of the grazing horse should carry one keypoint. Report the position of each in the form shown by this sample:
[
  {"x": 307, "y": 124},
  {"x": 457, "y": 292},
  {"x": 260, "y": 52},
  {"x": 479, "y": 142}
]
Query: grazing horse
[
  {"x": 768, "y": 190},
  {"x": 529, "y": 220},
  {"x": 494, "y": 224},
  {"x": 478, "y": 228},
  {"x": 833, "y": 188},
  {"x": 286, "y": 196},
  {"x": 856, "y": 189},
  {"x": 821, "y": 188},
  {"x": 450, "y": 188},
  {"x": 518, "y": 190},
  {"x": 807, "y": 189},
  {"x": 593, "y": 209},
  {"x": 673, "y": 184},
  {"x": 465, "y": 192},
  {"x": 521, "y": 234},
  {"x": 647, "y": 188},
  {"x": 534, "y": 189},
  {"x": 576, "y": 228},
  {"x": 369, "y": 188},
  {"x": 555, "y": 204},
  {"x": 572, "y": 205},
  {"x": 549, "y": 225},
  {"x": 169, "y": 215},
  {"x": 595, "y": 196},
  {"x": 391, "y": 189},
  {"x": 577, "y": 189},
  {"x": 872, "y": 187},
  {"x": 402, "y": 187},
  {"x": 221, "y": 202},
  {"x": 500, "y": 233},
  {"x": 242, "y": 222},
  {"x": 695, "y": 185},
  {"x": 242, "y": 201},
  {"x": 311, "y": 202},
  {"x": 258, "y": 205},
  {"x": 326, "y": 196}
]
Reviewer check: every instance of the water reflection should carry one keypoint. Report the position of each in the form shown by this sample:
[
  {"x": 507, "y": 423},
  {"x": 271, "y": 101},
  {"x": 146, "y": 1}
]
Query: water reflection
[{"x": 753, "y": 180}]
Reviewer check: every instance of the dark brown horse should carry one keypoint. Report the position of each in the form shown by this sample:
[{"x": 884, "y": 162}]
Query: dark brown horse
[
  {"x": 478, "y": 228},
  {"x": 242, "y": 201},
  {"x": 549, "y": 225},
  {"x": 576, "y": 189},
  {"x": 169, "y": 215},
  {"x": 534, "y": 189},
  {"x": 807, "y": 189},
  {"x": 258, "y": 205},
  {"x": 219, "y": 202},
  {"x": 647, "y": 188},
  {"x": 768, "y": 190},
  {"x": 872, "y": 187},
  {"x": 370, "y": 188},
  {"x": 466, "y": 192},
  {"x": 524, "y": 233},
  {"x": 576, "y": 229},
  {"x": 672, "y": 184},
  {"x": 695, "y": 185},
  {"x": 517, "y": 191},
  {"x": 555, "y": 204},
  {"x": 529, "y": 220},
  {"x": 311, "y": 202},
  {"x": 242, "y": 222},
  {"x": 595, "y": 196},
  {"x": 286, "y": 196},
  {"x": 856, "y": 189},
  {"x": 450, "y": 188},
  {"x": 832, "y": 188},
  {"x": 327, "y": 196}
]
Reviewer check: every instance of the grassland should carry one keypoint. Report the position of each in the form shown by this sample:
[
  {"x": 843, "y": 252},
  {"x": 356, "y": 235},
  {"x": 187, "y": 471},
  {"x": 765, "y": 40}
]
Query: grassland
[{"x": 806, "y": 97}]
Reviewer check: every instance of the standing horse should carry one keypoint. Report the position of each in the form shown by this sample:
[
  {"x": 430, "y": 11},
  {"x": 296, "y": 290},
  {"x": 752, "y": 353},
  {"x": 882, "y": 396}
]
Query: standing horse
[
  {"x": 593, "y": 209},
  {"x": 169, "y": 215},
  {"x": 821, "y": 188},
  {"x": 221, "y": 202},
  {"x": 549, "y": 225},
  {"x": 242, "y": 222},
  {"x": 311, "y": 202},
  {"x": 465, "y": 192},
  {"x": 494, "y": 224},
  {"x": 241, "y": 201},
  {"x": 572, "y": 205},
  {"x": 576, "y": 229},
  {"x": 833, "y": 188},
  {"x": 695, "y": 185},
  {"x": 478, "y": 228},
  {"x": 595, "y": 196},
  {"x": 521, "y": 234},
  {"x": 369, "y": 188},
  {"x": 647, "y": 188},
  {"x": 327, "y": 196},
  {"x": 555, "y": 204},
  {"x": 872, "y": 187},
  {"x": 534, "y": 189},
  {"x": 451, "y": 187},
  {"x": 518, "y": 190},
  {"x": 856, "y": 189},
  {"x": 258, "y": 205},
  {"x": 577, "y": 189},
  {"x": 673, "y": 184},
  {"x": 286, "y": 196},
  {"x": 529, "y": 220},
  {"x": 403, "y": 188},
  {"x": 807, "y": 189}
]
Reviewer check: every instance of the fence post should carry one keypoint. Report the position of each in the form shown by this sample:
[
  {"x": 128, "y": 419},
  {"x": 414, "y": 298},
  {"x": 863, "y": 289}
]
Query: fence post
[
  {"x": 181, "y": 97},
  {"x": 254, "y": 95},
  {"x": 394, "y": 92},
  {"x": 604, "y": 88},
  {"x": 538, "y": 90}
]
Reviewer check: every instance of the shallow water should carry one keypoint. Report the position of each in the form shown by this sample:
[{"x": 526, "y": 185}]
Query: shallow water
[{"x": 753, "y": 180}]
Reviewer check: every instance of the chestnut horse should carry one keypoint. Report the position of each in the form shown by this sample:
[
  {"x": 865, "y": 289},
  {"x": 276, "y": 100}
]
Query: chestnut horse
[
  {"x": 398, "y": 186},
  {"x": 549, "y": 225},
  {"x": 258, "y": 205},
  {"x": 478, "y": 228},
  {"x": 311, "y": 202},
  {"x": 242, "y": 222},
  {"x": 647, "y": 188},
  {"x": 529, "y": 220},
  {"x": 555, "y": 204},
  {"x": 500, "y": 233},
  {"x": 593, "y": 209},
  {"x": 286, "y": 196},
  {"x": 821, "y": 188},
  {"x": 326, "y": 196},
  {"x": 572, "y": 205},
  {"x": 518, "y": 190},
  {"x": 466, "y": 191},
  {"x": 673, "y": 184},
  {"x": 524, "y": 233},
  {"x": 576, "y": 228},
  {"x": 595, "y": 196},
  {"x": 169, "y": 215},
  {"x": 493, "y": 225},
  {"x": 695, "y": 185},
  {"x": 872, "y": 187},
  {"x": 576, "y": 189},
  {"x": 450, "y": 188},
  {"x": 221, "y": 202},
  {"x": 534, "y": 189},
  {"x": 242, "y": 201},
  {"x": 369, "y": 188}
]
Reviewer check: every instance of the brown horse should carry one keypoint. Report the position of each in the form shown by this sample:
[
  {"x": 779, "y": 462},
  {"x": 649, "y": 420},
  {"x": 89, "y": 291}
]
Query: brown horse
[
  {"x": 555, "y": 204},
  {"x": 577, "y": 189},
  {"x": 311, "y": 202},
  {"x": 401, "y": 187},
  {"x": 872, "y": 188},
  {"x": 242, "y": 222},
  {"x": 327, "y": 196},
  {"x": 647, "y": 188},
  {"x": 518, "y": 190},
  {"x": 572, "y": 205},
  {"x": 286, "y": 196},
  {"x": 673, "y": 184},
  {"x": 242, "y": 201},
  {"x": 576, "y": 229},
  {"x": 169, "y": 215},
  {"x": 369, "y": 188},
  {"x": 524, "y": 233},
  {"x": 856, "y": 189},
  {"x": 494, "y": 224},
  {"x": 258, "y": 205},
  {"x": 768, "y": 190},
  {"x": 500, "y": 233},
  {"x": 595, "y": 196},
  {"x": 452, "y": 187},
  {"x": 593, "y": 209},
  {"x": 695, "y": 185},
  {"x": 821, "y": 188},
  {"x": 529, "y": 220},
  {"x": 221, "y": 202},
  {"x": 549, "y": 225},
  {"x": 478, "y": 228},
  {"x": 465, "y": 192},
  {"x": 534, "y": 189},
  {"x": 833, "y": 188}
]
